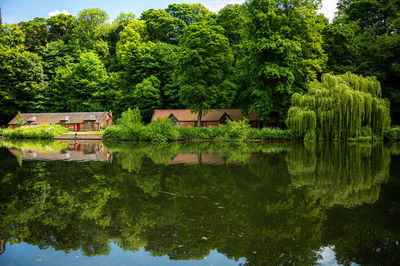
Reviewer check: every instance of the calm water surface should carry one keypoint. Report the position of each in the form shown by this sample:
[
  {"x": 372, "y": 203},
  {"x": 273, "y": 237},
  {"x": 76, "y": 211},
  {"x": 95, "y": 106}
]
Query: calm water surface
[{"x": 199, "y": 203}]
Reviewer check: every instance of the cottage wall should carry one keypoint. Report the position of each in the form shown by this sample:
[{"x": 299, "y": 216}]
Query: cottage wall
[
  {"x": 109, "y": 119},
  {"x": 212, "y": 123},
  {"x": 185, "y": 124}
]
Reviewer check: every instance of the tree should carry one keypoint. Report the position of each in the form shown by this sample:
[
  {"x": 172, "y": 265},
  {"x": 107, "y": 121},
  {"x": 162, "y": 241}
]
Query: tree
[
  {"x": 285, "y": 53},
  {"x": 21, "y": 83},
  {"x": 341, "y": 47},
  {"x": 161, "y": 26},
  {"x": 89, "y": 27},
  {"x": 189, "y": 13},
  {"x": 61, "y": 27},
  {"x": 20, "y": 121},
  {"x": 233, "y": 19},
  {"x": 82, "y": 87},
  {"x": 376, "y": 41},
  {"x": 203, "y": 69},
  {"x": 342, "y": 107},
  {"x": 12, "y": 36},
  {"x": 57, "y": 54},
  {"x": 35, "y": 33},
  {"x": 133, "y": 52},
  {"x": 147, "y": 96}
]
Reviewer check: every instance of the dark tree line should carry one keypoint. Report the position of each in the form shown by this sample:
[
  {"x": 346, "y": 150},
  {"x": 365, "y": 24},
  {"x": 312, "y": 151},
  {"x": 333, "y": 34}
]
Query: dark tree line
[{"x": 252, "y": 56}]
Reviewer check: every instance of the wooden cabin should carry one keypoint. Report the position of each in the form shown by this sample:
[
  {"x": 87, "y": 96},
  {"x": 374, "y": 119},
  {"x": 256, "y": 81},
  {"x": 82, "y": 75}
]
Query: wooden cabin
[
  {"x": 214, "y": 117},
  {"x": 73, "y": 121}
]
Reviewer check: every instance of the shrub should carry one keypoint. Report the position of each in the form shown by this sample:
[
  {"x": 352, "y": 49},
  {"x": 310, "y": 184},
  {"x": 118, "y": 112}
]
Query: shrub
[
  {"x": 236, "y": 130},
  {"x": 45, "y": 131},
  {"x": 392, "y": 134},
  {"x": 161, "y": 130}
]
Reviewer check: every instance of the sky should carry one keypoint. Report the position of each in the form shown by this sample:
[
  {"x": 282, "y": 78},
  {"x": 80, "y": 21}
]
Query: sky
[{"x": 15, "y": 11}]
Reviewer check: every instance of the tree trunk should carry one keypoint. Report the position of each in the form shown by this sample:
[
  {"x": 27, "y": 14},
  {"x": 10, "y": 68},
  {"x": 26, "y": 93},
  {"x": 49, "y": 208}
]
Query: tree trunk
[{"x": 199, "y": 116}]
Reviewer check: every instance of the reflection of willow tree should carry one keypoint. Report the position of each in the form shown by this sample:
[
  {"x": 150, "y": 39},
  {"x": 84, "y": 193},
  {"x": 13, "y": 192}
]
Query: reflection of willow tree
[
  {"x": 183, "y": 211},
  {"x": 367, "y": 234},
  {"x": 335, "y": 173}
]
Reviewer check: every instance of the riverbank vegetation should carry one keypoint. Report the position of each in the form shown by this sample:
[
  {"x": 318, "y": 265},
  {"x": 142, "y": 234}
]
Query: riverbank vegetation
[
  {"x": 261, "y": 54},
  {"x": 45, "y": 131},
  {"x": 131, "y": 127}
]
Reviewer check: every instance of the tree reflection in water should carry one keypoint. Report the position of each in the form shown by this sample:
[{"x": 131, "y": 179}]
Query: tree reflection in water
[{"x": 271, "y": 203}]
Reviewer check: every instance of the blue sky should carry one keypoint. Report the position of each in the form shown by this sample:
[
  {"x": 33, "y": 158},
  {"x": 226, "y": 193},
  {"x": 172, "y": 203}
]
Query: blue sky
[{"x": 14, "y": 11}]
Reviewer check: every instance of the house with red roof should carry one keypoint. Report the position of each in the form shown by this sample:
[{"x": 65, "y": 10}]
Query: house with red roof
[{"x": 212, "y": 118}]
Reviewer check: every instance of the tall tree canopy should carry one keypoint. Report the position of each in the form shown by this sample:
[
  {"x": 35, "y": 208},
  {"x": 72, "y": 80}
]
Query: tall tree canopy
[
  {"x": 204, "y": 65},
  {"x": 285, "y": 53}
]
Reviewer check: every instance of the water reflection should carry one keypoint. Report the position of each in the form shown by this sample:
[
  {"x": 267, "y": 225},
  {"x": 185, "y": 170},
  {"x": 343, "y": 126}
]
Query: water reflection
[
  {"x": 58, "y": 151},
  {"x": 270, "y": 203}
]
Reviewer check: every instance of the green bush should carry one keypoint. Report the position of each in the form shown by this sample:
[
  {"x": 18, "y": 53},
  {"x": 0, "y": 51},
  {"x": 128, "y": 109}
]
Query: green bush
[
  {"x": 161, "y": 130},
  {"x": 45, "y": 131},
  {"x": 272, "y": 133},
  {"x": 235, "y": 131},
  {"x": 392, "y": 134}
]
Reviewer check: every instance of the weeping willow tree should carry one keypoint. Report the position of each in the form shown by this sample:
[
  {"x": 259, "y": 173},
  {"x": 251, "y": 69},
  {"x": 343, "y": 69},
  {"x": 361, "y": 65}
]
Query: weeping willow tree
[{"x": 341, "y": 107}]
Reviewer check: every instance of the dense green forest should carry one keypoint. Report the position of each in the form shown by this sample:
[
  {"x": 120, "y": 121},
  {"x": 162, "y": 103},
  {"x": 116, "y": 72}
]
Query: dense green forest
[{"x": 253, "y": 56}]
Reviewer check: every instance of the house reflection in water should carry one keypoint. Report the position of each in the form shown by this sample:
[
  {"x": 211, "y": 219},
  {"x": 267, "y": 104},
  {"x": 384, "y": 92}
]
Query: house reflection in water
[
  {"x": 209, "y": 158},
  {"x": 75, "y": 151}
]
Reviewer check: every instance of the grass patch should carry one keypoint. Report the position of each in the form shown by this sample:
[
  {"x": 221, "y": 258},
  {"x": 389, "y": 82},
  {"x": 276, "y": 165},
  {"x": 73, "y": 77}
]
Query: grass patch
[{"x": 45, "y": 131}]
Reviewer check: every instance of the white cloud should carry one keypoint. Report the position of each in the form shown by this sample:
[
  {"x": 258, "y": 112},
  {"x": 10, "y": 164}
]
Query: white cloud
[
  {"x": 217, "y": 5},
  {"x": 57, "y": 12}
]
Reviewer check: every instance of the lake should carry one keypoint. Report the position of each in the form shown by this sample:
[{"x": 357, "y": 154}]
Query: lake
[{"x": 123, "y": 203}]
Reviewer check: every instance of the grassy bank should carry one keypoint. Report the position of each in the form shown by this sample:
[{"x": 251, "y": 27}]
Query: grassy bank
[{"x": 45, "y": 131}]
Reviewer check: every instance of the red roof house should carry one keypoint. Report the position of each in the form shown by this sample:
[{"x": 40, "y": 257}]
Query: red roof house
[{"x": 214, "y": 117}]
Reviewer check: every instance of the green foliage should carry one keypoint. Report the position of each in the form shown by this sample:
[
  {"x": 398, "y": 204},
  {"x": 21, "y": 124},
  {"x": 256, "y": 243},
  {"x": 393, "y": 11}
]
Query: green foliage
[
  {"x": 366, "y": 41},
  {"x": 82, "y": 86},
  {"x": 20, "y": 121},
  {"x": 130, "y": 117},
  {"x": 342, "y": 107},
  {"x": 392, "y": 134},
  {"x": 90, "y": 26},
  {"x": 147, "y": 96},
  {"x": 284, "y": 54},
  {"x": 236, "y": 130},
  {"x": 12, "y": 36},
  {"x": 61, "y": 27},
  {"x": 21, "y": 83},
  {"x": 35, "y": 33},
  {"x": 161, "y": 26},
  {"x": 203, "y": 69},
  {"x": 189, "y": 13},
  {"x": 45, "y": 131},
  {"x": 161, "y": 130}
]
